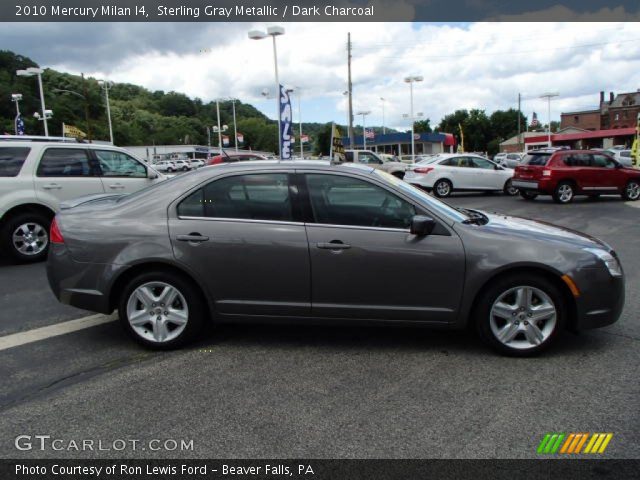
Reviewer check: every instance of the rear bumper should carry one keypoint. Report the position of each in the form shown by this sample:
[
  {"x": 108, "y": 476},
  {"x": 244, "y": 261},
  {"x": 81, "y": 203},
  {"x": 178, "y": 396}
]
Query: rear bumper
[
  {"x": 525, "y": 184},
  {"x": 82, "y": 285},
  {"x": 601, "y": 298}
]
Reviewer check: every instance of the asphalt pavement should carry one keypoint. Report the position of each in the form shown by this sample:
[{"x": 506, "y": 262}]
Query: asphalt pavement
[{"x": 324, "y": 392}]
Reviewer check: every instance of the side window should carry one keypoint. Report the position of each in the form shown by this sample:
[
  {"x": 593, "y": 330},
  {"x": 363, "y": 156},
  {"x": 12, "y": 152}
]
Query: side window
[
  {"x": 367, "y": 158},
  {"x": 11, "y": 160},
  {"x": 578, "y": 160},
  {"x": 64, "y": 162},
  {"x": 348, "y": 156},
  {"x": 602, "y": 161},
  {"x": 250, "y": 197},
  {"x": 482, "y": 163},
  {"x": 338, "y": 200},
  {"x": 118, "y": 164}
]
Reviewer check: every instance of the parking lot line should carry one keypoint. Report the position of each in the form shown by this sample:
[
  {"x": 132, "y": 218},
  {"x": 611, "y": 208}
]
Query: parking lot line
[{"x": 42, "y": 333}]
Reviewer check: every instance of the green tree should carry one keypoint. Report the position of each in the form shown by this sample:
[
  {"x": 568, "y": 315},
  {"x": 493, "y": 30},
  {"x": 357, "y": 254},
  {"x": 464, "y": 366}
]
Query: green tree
[{"x": 422, "y": 126}]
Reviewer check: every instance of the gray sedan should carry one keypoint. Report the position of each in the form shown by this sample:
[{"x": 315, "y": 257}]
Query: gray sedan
[{"x": 310, "y": 242}]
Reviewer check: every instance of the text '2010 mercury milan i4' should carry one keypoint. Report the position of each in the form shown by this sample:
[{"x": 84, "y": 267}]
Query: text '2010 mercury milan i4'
[{"x": 312, "y": 242}]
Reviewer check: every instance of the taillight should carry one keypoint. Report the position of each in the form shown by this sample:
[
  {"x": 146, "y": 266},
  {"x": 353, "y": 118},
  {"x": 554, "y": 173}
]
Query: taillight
[
  {"x": 54, "y": 234},
  {"x": 546, "y": 173},
  {"x": 422, "y": 169}
]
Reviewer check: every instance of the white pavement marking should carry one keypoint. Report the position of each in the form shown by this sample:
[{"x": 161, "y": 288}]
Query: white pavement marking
[
  {"x": 42, "y": 333},
  {"x": 635, "y": 204}
]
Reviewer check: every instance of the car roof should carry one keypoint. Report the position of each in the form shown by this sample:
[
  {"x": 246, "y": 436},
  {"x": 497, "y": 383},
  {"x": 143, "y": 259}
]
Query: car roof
[{"x": 275, "y": 164}]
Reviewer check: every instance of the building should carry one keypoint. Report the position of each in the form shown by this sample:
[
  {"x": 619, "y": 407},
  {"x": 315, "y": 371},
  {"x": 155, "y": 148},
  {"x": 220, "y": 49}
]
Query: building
[
  {"x": 571, "y": 137},
  {"x": 400, "y": 143},
  {"x": 620, "y": 111},
  {"x": 153, "y": 153}
]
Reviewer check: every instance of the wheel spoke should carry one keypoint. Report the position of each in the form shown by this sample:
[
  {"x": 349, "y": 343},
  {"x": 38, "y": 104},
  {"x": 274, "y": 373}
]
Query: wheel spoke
[
  {"x": 139, "y": 317},
  {"x": 145, "y": 295},
  {"x": 168, "y": 296},
  {"x": 160, "y": 331},
  {"x": 506, "y": 333},
  {"x": 542, "y": 312},
  {"x": 533, "y": 334},
  {"x": 523, "y": 297},
  {"x": 504, "y": 310},
  {"x": 177, "y": 317}
]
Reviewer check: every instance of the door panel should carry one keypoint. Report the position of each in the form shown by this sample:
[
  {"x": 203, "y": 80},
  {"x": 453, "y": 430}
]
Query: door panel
[{"x": 237, "y": 234}]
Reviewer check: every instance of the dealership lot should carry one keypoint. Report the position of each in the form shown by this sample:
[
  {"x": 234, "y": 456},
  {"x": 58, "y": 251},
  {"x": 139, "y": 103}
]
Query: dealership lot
[{"x": 296, "y": 391}]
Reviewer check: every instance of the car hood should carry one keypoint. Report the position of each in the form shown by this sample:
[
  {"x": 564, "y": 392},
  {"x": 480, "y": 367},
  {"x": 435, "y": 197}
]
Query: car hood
[{"x": 543, "y": 231}]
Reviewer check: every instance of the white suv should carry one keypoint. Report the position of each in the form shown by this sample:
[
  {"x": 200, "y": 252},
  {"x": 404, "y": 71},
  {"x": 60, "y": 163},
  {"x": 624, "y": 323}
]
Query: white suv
[{"x": 37, "y": 173}]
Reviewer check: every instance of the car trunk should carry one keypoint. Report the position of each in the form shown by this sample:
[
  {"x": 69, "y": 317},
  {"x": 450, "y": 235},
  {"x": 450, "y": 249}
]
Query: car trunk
[{"x": 532, "y": 166}]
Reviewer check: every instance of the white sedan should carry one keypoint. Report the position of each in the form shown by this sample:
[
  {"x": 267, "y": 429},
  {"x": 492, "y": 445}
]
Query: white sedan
[{"x": 445, "y": 173}]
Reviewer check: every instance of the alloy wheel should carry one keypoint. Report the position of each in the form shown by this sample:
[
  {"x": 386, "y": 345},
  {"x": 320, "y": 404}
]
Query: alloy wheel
[
  {"x": 443, "y": 189},
  {"x": 565, "y": 193},
  {"x": 523, "y": 317},
  {"x": 30, "y": 238},
  {"x": 157, "y": 311},
  {"x": 633, "y": 190}
]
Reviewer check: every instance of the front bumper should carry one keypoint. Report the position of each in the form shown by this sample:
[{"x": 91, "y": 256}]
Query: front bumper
[{"x": 601, "y": 298}]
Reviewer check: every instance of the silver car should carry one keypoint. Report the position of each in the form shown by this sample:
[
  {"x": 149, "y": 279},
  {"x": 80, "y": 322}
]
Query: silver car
[{"x": 311, "y": 242}]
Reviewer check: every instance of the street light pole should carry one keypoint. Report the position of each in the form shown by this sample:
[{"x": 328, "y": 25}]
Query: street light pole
[
  {"x": 106, "y": 85},
  {"x": 29, "y": 72},
  {"x": 384, "y": 130},
  {"x": 548, "y": 96},
  {"x": 235, "y": 128},
  {"x": 259, "y": 35},
  {"x": 300, "y": 120},
  {"x": 219, "y": 129},
  {"x": 410, "y": 81},
  {"x": 364, "y": 128}
]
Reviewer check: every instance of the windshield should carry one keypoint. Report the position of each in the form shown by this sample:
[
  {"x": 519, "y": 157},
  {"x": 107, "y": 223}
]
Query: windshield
[
  {"x": 425, "y": 160},
  {"x": 438, "y": 206},
  {"x": 536, "y": 159}
]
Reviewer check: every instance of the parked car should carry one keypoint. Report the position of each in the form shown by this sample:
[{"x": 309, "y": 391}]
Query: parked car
[
  {"x": 235, "y": 157},
  {"x": 166, "y": 166},
  {"x": 449, "y": 172},
  {"x": 196, "y": 163},
  {"x": 367, "y": 157},
  {"x": 622, "y": 156},
  {"x": 498, "y": 157},
  {"x": 183, "y": 165},
  {"x": 37, "y": 173},
  {"x": 563, "y": 174},
  {"x": 309, "y": 242},
  {"x": 509, "y": 160}
]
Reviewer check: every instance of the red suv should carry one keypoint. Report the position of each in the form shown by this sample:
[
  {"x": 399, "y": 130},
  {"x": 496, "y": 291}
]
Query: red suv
[
  {"x": 235, "y": 157},
  {"x": 564, "y": 174}
]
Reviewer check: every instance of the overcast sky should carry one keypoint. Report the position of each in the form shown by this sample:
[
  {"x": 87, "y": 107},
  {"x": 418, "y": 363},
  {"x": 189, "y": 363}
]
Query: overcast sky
[{"x": 481, "y": 65}]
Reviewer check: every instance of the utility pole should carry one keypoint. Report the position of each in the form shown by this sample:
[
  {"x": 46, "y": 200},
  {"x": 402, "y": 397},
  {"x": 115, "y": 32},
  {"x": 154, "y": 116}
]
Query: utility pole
[
  {"x": 519, "y": 97},
  {"x": 350, "y": 89},
  {"x": 86, "y": 106}
]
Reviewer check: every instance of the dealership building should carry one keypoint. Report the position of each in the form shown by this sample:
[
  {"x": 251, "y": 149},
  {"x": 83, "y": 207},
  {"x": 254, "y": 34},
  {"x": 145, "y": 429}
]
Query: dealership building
[{"x": 400, "y": 143}]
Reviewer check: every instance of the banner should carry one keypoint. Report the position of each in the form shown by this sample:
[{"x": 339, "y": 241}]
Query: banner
[
  {"x": 71, "y": 131},
  {"x": 337, "y": 148},
  {"x": 240, "y": 137},
  {"x": 635, "y": 148},
  {"x": 225, "y": 140},
  {"x": 304, "y": 138},
  {"x": 286, "y": 133},
  {"x": 19, "y": 124}
]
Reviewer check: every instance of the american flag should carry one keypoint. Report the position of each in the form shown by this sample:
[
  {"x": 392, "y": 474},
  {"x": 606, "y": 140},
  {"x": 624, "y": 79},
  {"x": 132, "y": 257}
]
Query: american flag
[
  {"x": 534, "y": 120},
  {"x": 19, "y": 125},
  {"x": 368, "y": 133}
]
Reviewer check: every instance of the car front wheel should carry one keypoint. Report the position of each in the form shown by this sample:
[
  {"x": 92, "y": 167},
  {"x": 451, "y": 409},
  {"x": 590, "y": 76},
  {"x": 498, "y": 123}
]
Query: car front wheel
[
  {"x": 632, "y": 191},
  {"x": 26, "y": 237},
  {"x": 442, "y": 188},
  {"x": 520, "y": 315},
  {"x": 161, "y": 310}
]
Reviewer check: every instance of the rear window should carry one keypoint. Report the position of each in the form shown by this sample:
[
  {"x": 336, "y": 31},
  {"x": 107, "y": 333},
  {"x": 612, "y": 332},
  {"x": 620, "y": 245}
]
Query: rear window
[
  {"x": 536, "y": 159},
  {"x": 11, "y": 160}
]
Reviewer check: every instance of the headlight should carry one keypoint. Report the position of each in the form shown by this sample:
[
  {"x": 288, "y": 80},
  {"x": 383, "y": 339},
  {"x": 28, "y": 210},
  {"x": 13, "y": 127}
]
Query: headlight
[{"x": 609, "y": 260}]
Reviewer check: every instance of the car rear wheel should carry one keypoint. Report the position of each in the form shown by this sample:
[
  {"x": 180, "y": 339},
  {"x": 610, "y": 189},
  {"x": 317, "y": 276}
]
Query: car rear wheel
[
  {"x": 528, "y": 195},
  {"x": 564, "y": 192},
  {"x": 26, "y": 237},
  {"x": 442, "y": 188},
  {"x": 161, "y": 310},
  {"x": 520, "y": 314},
  {"x": 632, "y": 191},
  {"x": 509, "y": 189}
]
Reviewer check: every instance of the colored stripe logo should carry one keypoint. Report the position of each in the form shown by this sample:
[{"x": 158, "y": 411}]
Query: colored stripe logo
[{"x": 574, "y": 443}]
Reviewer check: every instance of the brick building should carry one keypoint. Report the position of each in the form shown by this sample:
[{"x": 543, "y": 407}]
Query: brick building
[{"x": 619, "y": 111}]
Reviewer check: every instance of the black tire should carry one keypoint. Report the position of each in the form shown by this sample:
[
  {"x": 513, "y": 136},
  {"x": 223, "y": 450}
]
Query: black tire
[
  {"x": 509, "y": 189},
  {"x": 482, "y": 317},
  {"x": 528, "y": 195},
  {"x": 14, "y": 223},
  {"x": 442, "y": 188},
  {"x": 169, "y": 169},
  {"x": 194, "y": 301},
  {"x": 184, "y": 169},
  {"x": 564, "y": 193},
  {"x": 631, "y": 191}
]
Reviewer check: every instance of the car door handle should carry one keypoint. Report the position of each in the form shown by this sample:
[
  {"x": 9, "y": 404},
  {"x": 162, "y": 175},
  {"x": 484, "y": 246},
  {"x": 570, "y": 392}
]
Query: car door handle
[
  {"x": 192, "y": 237},
  {"x": 52, "y": 186},
  {"x": 116, "y": 185},
  {"x": 333, "y": 245}
]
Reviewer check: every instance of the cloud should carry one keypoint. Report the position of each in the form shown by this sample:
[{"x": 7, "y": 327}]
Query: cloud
[{"x": 480, "y": 65}]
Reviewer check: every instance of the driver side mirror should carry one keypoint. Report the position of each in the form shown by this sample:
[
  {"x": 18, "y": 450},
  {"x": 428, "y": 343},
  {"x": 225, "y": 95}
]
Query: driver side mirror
[
  {"x": 151, "y": 174},
  {"x": 421, "y": 225}
]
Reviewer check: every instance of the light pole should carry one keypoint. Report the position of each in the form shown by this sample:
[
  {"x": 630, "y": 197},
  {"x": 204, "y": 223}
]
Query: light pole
[
  {"x": 364, "y": 128},
  {"x": 30, "y": 72},
  {"x": 548, "y": 96},
  {"x": 384, "y": 130},
  {"x": 86, "y": 106},
  {"x": 235, "y": 126},
  {"x": 106, "y": 85},
  {"x": 411, "y": 80},
  {"x": 16, "y": 97},
  {"x": 219, "y": 129},
  {"x": 259, "y": 35}
]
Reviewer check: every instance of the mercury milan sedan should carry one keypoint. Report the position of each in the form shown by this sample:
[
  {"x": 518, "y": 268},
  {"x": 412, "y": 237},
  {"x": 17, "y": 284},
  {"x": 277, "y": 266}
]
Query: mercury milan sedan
[{"x": 312, "y": 242}]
